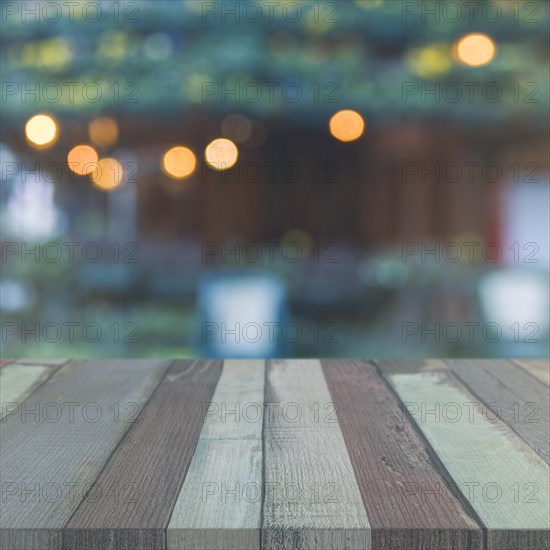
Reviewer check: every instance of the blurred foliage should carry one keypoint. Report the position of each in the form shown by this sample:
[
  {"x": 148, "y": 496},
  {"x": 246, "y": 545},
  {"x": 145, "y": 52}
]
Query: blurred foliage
[{"x": 156, "y": 56}]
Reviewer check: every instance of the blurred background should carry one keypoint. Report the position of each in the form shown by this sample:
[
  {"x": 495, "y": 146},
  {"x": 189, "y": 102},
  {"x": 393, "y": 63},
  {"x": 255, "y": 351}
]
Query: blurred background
[{"x": 313, "y": 179}]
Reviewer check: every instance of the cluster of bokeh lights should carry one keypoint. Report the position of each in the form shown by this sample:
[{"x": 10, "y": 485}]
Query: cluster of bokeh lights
[{"x": 180, "y": 162}]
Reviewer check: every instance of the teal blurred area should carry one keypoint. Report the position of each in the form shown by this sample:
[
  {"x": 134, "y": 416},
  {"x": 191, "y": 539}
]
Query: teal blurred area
[{"x": 427, "y": 236}]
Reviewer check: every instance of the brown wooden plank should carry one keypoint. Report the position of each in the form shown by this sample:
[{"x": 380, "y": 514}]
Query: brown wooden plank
[
  {"x": 513, "y": 395},
  {"x": 506, "y": 482},
  {"x": 149, "y": 466},
  {"x": 408, "y": 502},
  {"x": 50, "y": 456},
  {"x": 539, "y": 368}
]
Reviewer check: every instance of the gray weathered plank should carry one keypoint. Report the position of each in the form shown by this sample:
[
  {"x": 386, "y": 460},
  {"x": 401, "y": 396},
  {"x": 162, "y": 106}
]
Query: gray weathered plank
[
  {"x": 311, "y": 498},
  {"x": 51, "y": 362},
  {"x": 50, "y": 457},
  {"x": 149, "y": 466},
  {"x": 505, "y": 481},
  {"x": 219, "y": 505},
  {"x": 511, "y": 394},
  {"x": 539, "y": 368}
]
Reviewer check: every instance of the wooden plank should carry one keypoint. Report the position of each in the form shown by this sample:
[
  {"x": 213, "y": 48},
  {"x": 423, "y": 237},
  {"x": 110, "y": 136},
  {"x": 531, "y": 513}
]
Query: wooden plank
[
  {"x": 311, "y": 496},
  {"x": 505, "y": 481},
  {"x": 50, "y": 362},
  {"x": 149, "y": 466},
  {"x": 539, "y": 368},
  {"x": 50, "y": 457},
  {"x": 511, "y": 394},
  {"x": 17, "y": 382},
  {"x": 408, "y": 501},
  {"x": 219, "y": 505}
]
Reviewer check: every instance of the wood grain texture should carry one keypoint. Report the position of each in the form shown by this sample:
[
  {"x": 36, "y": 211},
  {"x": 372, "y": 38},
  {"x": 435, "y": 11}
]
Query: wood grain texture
[
  {"x": 539, "y": 368},
  {"x": 505, "y": 481},
  {"x": 219, "y": 506},
  {"x": 17, "y": 382},
  {"x": 512, "y": 395},
  {"x": 408, "y": 502},
  {"x": 48, "y": 464},
  {"x": 147, "y": 469},
  {"x": 311, "y": 500}
]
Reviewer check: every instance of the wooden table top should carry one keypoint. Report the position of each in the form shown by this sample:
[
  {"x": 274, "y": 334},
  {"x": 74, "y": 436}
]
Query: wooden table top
[{"x": 277, "y": 454}]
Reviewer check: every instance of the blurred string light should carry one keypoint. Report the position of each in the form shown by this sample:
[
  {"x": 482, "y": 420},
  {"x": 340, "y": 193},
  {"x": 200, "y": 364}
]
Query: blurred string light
[
  {"x": 107, "y": 174},
  {"x": 475, "y": 50},
  {"x": 41, "y": 131},
  {"x": 113, "y": 45},
  {"x": 53, "y": 54},
  {"x": 179, "y": 162},
  {"x": 347, "y": 125},
  {"x": 221, "y": 154},
  {"x": 237, "y": 128},
  {"x": 103, "y": 131},
  {"x": 429, "y": 62},
  {"x": 82, "y": 159}
]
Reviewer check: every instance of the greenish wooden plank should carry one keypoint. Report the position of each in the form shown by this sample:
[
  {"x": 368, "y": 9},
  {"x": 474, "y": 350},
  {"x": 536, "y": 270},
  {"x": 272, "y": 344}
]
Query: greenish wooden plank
[
  {"x": 505, "y": 481},
  {"x": 219, "y": 505},
  {"x": 539, "y": 368},
  {"x": 513, "y": 395},
  {"x": 17, "y": 382}
]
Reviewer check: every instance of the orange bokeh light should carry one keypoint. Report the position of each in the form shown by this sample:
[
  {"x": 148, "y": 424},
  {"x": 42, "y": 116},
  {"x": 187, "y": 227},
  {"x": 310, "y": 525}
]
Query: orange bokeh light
[
  {"x": 475, "y": 50},
  {"x": 179, "y": 162},
  {"x": 82, "y": 159},
  {"x": 347, "y": 125},
  {"x": 221, "y": 154},
  {"x": 41, "y": 131},
  {"x": 103, "y": 131},
  {"x": 108, "y": 174}
]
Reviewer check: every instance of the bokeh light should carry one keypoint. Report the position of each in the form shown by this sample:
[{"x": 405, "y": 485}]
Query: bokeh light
[
  {"x": 179, "y": 162},
  {"x": 475, "y": 50},
  {"x": 82, "y": 159},
  {"x": 347, "y": 125},
  {"x": 108, "y": 174},
  {"x": 41, "y": 131},
  {"x": 237, "y": 128},
  {"x": 103, "y": 131},
  {"x": 221, "y": 154},
  {"x": 430, "y": 62}
]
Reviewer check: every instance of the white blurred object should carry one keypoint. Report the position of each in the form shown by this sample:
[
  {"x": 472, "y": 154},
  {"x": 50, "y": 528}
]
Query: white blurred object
[
  {"x": 30, "y": 211},
  {"x": 525, "y": 224},
  {"x": 517, "y": 295},
  {"x": 243, "y": 315}
]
